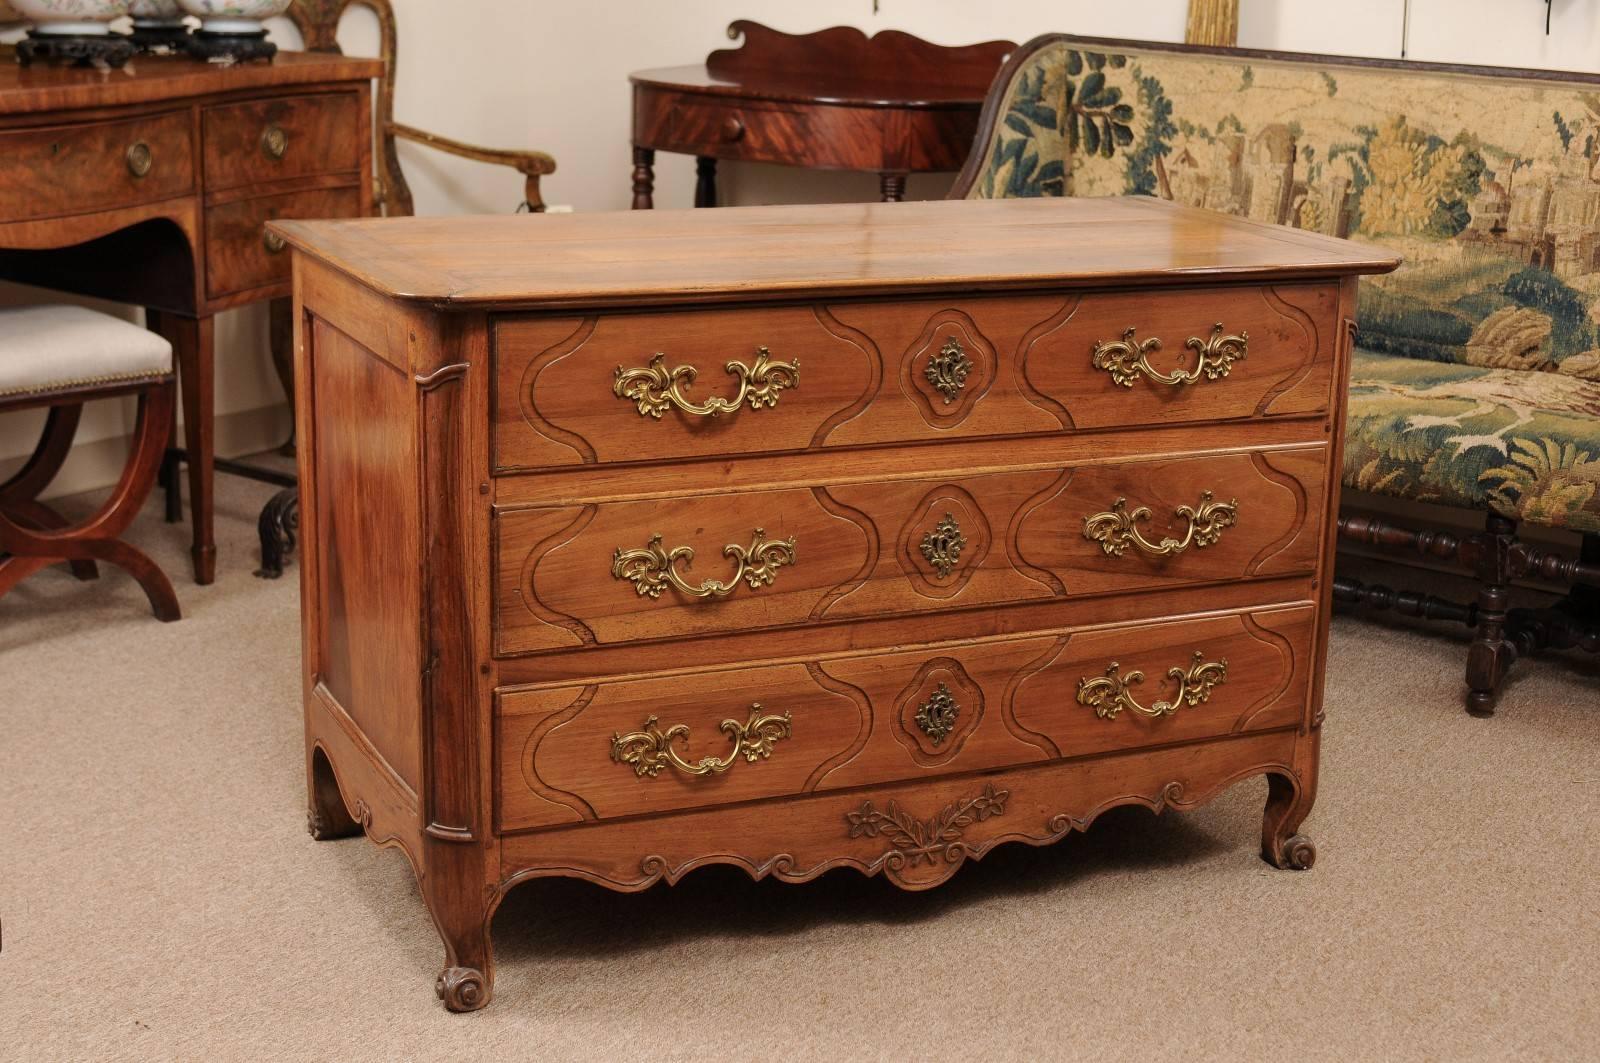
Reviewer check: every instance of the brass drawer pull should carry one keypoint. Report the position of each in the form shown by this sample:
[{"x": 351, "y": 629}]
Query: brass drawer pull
[
  {"x": 653, "y": 568},
  {"x": 1116, "y": 528},
  {"x": 273, "y": 242},
  {"x": 1125, "y": 359},
  {"x": 274, "y": 142},
  {"x": 656, "y": 388},
  {"x": 1108, "y": 695},
  {"x": 651, "y": 749},
  {"x": 139, "y": 158}
]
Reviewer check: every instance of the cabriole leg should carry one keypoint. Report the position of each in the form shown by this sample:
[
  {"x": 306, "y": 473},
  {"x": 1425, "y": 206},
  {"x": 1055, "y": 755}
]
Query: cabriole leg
[{"x": 1288, "y": 804}]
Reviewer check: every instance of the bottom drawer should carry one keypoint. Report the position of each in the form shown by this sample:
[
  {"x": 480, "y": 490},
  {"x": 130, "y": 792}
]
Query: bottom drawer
[
  {"x": 609, "y": 749},
  {"x": 240, "y": 256}
]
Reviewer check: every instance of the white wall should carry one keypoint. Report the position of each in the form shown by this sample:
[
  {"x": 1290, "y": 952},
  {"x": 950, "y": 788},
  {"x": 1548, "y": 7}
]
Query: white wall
[{"x": 552, "y": 74}]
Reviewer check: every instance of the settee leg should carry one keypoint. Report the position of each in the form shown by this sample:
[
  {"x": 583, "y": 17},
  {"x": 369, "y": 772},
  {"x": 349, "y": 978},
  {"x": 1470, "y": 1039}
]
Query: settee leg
[{"x": 1491, "y": 653}]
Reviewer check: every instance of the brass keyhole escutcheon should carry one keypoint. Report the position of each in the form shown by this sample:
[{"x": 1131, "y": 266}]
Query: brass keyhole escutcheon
[
  {"x": 140, "y": 159},
  {"x": 274, "y": 142}
]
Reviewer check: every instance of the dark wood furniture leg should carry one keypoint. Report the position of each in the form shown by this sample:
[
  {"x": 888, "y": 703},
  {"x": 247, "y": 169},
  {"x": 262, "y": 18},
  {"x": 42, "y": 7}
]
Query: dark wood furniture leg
[
  {"x": 644, "y": 178},
  {"x": 1491, "y": 654},
  {"x": 19, "y": 496},
  {"x": 97, "y": 538},
  {"x": 892, "y": 187},
  {"x": 193, "y": 345},
  {"x": 705, "y": 181}
]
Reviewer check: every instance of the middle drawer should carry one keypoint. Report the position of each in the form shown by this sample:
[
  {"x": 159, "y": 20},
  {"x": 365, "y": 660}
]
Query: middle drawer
[{"x": 624, "y": 571}]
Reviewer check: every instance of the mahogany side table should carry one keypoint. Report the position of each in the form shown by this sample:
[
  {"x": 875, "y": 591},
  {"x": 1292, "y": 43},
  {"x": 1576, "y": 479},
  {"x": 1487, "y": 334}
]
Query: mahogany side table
[
  {"x": 153, "y": 185},
  {"x": 890, "y": 104}
]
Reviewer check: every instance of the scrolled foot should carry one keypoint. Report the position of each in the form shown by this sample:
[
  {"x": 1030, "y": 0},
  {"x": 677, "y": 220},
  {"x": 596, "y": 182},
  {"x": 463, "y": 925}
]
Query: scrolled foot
[
  {"x": 1295, "y": 854},
  {"x": 462, "y": 988}
]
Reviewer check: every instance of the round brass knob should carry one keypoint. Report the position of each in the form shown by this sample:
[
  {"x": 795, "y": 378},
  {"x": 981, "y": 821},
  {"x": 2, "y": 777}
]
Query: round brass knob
[
  {"x": 274, "y": 142},
  {"x": 140, "y": 159},
  {"x": 732, "y": 128},
  {"x": 273, "y": 242}
]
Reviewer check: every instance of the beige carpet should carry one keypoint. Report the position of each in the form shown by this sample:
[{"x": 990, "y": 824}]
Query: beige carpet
[{"x": 161, "y": 899}]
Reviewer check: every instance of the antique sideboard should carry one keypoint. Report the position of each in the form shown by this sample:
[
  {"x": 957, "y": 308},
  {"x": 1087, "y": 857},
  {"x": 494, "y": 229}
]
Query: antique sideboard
[
  {"x": 890, "y": 104},
  {"x": 805, "y": 537},
  {"x": 152, "y": 185}
]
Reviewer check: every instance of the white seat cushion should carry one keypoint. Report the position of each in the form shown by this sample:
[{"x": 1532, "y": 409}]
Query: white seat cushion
[{"x": 63, "y": 348}]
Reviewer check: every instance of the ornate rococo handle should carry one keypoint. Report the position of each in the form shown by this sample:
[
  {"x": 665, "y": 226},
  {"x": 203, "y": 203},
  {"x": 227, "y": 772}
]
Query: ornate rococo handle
[
  {"x": 650, "y": 749},
  {"x": 1117, "y": 528},
  {"x": 1108, "y": 695},
  {"x": 653, "y": 568},
  {"x": 1126, "y": 359},
  {"x": 655, "y": 388}
]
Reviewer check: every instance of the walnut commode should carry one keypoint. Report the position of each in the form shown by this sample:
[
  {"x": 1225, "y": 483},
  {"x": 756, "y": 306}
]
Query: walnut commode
[{"x": 938, "y": 525}]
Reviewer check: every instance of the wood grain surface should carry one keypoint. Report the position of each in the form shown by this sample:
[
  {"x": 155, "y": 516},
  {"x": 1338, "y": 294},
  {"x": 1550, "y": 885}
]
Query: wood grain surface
[{"x": 761, "y": 253}]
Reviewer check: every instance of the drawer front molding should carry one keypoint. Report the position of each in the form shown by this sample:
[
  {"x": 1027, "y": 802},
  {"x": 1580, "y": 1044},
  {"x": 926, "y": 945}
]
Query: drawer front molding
[
  {"x": 572, "y": 575},
  {"x": 573, "y": 753},
  {"x": 897, "y": 372}
]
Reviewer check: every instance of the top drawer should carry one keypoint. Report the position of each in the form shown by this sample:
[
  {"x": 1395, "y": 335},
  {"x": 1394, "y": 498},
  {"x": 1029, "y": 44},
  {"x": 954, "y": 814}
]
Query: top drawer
[
  {"x": 677, "y": 384},
  {"x": 268, "y": 140},
  {"x": 109, "y": 164}
]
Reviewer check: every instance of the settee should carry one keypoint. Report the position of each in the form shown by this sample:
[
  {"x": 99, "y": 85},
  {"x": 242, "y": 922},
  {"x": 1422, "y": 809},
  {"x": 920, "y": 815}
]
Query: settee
[{"x": 1475, "y": 382}]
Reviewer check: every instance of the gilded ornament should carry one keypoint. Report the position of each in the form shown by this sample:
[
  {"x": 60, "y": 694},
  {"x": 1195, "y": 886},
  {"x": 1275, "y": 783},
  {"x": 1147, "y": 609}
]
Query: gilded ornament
[
  {"x": 653, "y": 568},
  {"x": 948, "y": 370},
  {"x": 1108, "y": 695},
  {"x": 936, "y": 717},
  {"x": 655, "y": 389},
  {"x": 1126, "y": 359},
  {"x": 650, "y": 749},
  {"x": 1118, "y": 528},
  {"x": 942, "y": 547}
]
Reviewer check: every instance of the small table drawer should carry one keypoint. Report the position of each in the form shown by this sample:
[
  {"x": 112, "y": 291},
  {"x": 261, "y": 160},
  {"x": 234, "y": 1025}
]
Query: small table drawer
[
  {"x": 109, "y": 164},
  {"x": 610, "y": 749},
  {"x": 268, "y": 140},
  {"x": 241, "y": 256},
  {"x": 669, "y": 385},
  {"x": 702, "y": 565}
]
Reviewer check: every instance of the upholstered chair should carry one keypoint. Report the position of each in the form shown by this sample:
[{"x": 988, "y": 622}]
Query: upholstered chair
[
  {"x": 58, "y": 358},
  {"x": 1475, "y": 381}
]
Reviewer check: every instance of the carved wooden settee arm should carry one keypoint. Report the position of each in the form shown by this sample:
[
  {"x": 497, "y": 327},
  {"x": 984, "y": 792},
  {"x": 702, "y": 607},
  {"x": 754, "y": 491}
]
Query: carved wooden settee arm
[{"x": 531, "y": 164}]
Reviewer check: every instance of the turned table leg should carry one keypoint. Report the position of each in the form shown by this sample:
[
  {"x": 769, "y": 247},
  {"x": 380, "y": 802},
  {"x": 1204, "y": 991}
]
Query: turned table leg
[
  {"x": 1490, "y": 654},
  {"x": 705, "y": 181},
  {"x": 892, "y": 187},
  {"x": 644, "y": 178},
  {"x": 193, "y": 342}
]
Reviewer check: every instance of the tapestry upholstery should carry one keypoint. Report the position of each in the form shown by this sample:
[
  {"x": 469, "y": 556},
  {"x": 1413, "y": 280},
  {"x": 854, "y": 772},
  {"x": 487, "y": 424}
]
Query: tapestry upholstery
[{"x": 1477, "y": 381}]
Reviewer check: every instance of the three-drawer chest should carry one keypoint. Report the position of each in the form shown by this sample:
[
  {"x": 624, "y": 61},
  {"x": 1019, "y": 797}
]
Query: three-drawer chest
[{"x": 796, "y": 538}]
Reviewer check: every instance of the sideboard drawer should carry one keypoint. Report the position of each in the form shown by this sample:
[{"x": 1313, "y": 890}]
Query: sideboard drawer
[
  {"x": 660, "y": 386},
  {"x": 639, "y": 746},
  {"x": 697, "y": 565},
  {"x": 295, "y": 136},
  {"x": 241, "y": 255},
  {"x": 109, "y": 164}
]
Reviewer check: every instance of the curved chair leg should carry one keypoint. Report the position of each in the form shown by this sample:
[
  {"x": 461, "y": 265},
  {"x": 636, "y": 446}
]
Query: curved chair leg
[
  {"x": 37, "y": 516},
  {"x": 55, "y": 443},
  {"x": 96, "y": 539}
]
